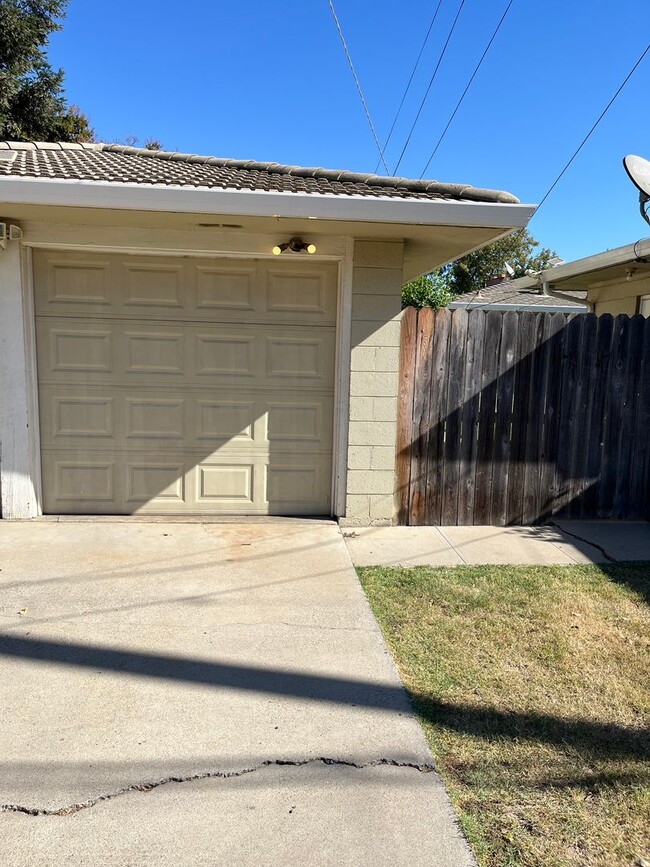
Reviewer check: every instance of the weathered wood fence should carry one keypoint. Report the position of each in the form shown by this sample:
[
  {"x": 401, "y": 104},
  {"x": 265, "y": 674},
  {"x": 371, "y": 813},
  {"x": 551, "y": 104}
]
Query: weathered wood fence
[{"x": 521, "y": 417}]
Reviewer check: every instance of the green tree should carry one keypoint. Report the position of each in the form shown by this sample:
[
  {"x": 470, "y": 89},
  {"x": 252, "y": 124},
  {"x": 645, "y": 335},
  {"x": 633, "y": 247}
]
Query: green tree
[
  {"x": 32, "y": 103},
  {"x": 474, "y": 271}
]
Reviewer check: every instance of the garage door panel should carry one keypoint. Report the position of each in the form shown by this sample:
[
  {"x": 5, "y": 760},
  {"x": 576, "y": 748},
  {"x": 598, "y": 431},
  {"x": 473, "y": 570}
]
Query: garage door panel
[
  {"x": 155, "y": 418},
  {"x": 225, "y": 483},
  {"x": 293, "y": 486},
  {"x": 152, "y": 284},
  {"x": 152, "y": 351},
  {"x": 227, "y": 289},
  {"x": 72, "y": 281},
  {"x": 301, "y": 293},
  {"x": 184, "y": 289},
  {"x": 79, "y": 484},
  {"x": 143, "y": 414},
  {"x": 73, "y": 348},
  {"x": 225, "y": 419},
  {"x": 122, "y": 351},
  {"x": 224, "y": 355},
  {"x": 162, "y": 482},
  {"x": 151, "y": 482},
  {"x": 79, "y": 416},
  {"x": 85, "y": 416}
]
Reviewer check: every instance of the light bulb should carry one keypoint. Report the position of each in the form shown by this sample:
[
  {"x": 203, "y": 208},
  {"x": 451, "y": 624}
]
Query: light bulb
[
  {"x": 276, "y": 250},
  {"x": 311, "y": 248}
]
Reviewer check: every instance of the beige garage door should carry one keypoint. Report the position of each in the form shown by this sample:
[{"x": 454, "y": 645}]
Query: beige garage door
[{"x": 183, "y": 385}]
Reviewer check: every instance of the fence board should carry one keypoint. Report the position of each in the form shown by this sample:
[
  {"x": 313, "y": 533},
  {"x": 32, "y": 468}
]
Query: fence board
[
  {"x": 431, "y": 512},
  {"x": 627, "y": 428},
  {"x": 453, "y": 426},
  {"x": 422, "y": 415},
  {"x": 503, "y": 420},
  {"x": 639, "y": 494},
  {"x": 408, "y": 338},
  {"x": 612, "y": 417},
  {"x": 487, "y": 413},
  {"x": 470, "y": 415},
  {"x": 535, "y": 420},
  {"x": 580, "y": 421},
  {"x": 548, "y": 488},
  {"x": 564, "y": 479},
  {"x": 521, "y": 418},
  {"x": 523, "y": 367}
]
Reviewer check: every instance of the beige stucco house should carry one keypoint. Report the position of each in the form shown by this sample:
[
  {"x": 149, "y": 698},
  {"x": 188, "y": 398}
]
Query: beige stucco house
[
  {"x": 616, "y": 281},
  {"x": 157, "y": 357}
]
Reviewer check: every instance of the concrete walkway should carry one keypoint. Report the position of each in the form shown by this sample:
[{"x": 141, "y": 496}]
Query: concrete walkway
[
  {"x": 187, "y": 694},
  {"x": 564, "y": 544}
]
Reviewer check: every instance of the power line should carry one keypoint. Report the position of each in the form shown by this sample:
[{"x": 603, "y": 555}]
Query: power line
[
  {"x": 431, "y": 80},
  {"x": 356, "y": 81},
  {"x": 469, "y": 84},
  {"x": 586, "y": 138},
  {"x": 413, "y": 71}
]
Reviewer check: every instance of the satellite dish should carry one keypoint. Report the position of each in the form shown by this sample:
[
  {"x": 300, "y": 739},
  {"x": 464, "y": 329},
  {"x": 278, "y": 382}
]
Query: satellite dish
[
  {"x": 638, "y": 171},
  {"x": 509, "y": 269}
]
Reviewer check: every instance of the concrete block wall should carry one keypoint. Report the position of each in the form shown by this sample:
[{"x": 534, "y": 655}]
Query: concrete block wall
[{"x": 376, "y": 304}]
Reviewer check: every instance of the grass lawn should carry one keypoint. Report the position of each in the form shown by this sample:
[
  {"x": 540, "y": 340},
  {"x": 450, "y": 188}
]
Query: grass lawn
[{"x": 533, "y": 687}]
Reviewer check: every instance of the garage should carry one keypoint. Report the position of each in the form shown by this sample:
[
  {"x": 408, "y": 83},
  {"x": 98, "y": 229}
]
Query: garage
[
  {"x": 191, "y": 335},
  {"x": 182, "y": 385}
]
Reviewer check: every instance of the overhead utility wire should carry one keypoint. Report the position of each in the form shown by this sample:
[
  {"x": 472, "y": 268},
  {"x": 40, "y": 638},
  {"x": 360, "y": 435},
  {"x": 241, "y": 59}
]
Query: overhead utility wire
[
  {"x": 469, "y": 84},
  {"x": 431, "y": 80},
  {"x": 413, "y": 71},
  {"x": 356, "y": 81},
  {"x": 586, "y": 138}
]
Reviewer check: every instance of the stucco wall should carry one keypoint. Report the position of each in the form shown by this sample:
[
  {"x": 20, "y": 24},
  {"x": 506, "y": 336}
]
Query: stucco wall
[
  {"x": 376, "y": 304},
  {"x": 18, "y": 460},
  {"x": 619, "y": 297}
]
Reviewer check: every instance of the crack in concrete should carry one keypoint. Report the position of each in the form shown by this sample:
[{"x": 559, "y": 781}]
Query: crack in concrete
[
  {"x": 328, "y": 628},
  {"x": 70, "y": 809},
  {"x": 587, "y": 541}
]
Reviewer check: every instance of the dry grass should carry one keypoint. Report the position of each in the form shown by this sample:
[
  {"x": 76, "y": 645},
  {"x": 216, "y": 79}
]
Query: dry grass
[{"x": 532, "y": 685}]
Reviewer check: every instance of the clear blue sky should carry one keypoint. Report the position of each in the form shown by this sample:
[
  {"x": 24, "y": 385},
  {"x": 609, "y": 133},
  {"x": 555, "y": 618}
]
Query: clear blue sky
[{"x": 269, "y": 81}]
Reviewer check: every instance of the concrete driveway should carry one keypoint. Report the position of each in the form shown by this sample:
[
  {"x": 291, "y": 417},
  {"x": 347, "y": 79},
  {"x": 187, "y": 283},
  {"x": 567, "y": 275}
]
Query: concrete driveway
[{"x": 179, "y": 693}]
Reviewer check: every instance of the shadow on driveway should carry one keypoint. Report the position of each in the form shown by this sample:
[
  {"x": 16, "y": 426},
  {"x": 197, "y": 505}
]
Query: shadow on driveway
[{"x": 583, "y": 735}]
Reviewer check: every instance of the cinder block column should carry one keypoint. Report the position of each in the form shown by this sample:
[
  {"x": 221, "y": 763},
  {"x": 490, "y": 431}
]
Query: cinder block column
[{"x": 376, "y": 304}]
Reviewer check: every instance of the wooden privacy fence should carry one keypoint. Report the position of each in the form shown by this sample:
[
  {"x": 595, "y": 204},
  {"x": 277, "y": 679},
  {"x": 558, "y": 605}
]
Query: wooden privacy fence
[{"x": 518, "y": 418}]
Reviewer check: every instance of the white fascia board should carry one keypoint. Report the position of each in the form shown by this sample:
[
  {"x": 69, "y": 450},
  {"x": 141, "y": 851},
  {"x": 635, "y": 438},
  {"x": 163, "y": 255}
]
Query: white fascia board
[{"x": 254, "y": 203}]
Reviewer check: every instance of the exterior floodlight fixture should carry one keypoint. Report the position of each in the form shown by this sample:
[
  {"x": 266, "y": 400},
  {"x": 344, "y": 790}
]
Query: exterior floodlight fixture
[
  {"x": 295, "y": 245},
  {"x": 9, "y": 232}
]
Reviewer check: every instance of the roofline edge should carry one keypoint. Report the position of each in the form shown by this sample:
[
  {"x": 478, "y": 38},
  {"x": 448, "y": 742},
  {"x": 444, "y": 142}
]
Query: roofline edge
[{"x": 262, "y": 203}]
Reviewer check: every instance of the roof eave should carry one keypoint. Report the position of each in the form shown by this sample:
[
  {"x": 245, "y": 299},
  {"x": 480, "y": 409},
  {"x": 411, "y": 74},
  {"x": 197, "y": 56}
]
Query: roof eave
[
  {"x": 261, "y": 203},
  {"x": 590, "y": 264}
]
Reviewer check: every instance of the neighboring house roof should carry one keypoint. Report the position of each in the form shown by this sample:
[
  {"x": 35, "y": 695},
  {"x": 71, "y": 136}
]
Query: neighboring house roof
[
  {"x": 113, "y": 163},
  {"x": 510, "y": 295},
  {"x": 616, "y": 264}
]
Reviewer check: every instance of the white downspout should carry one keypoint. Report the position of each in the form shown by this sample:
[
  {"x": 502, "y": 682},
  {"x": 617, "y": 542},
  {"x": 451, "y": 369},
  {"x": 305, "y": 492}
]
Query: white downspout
[{"x": 551, "y": 293}]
